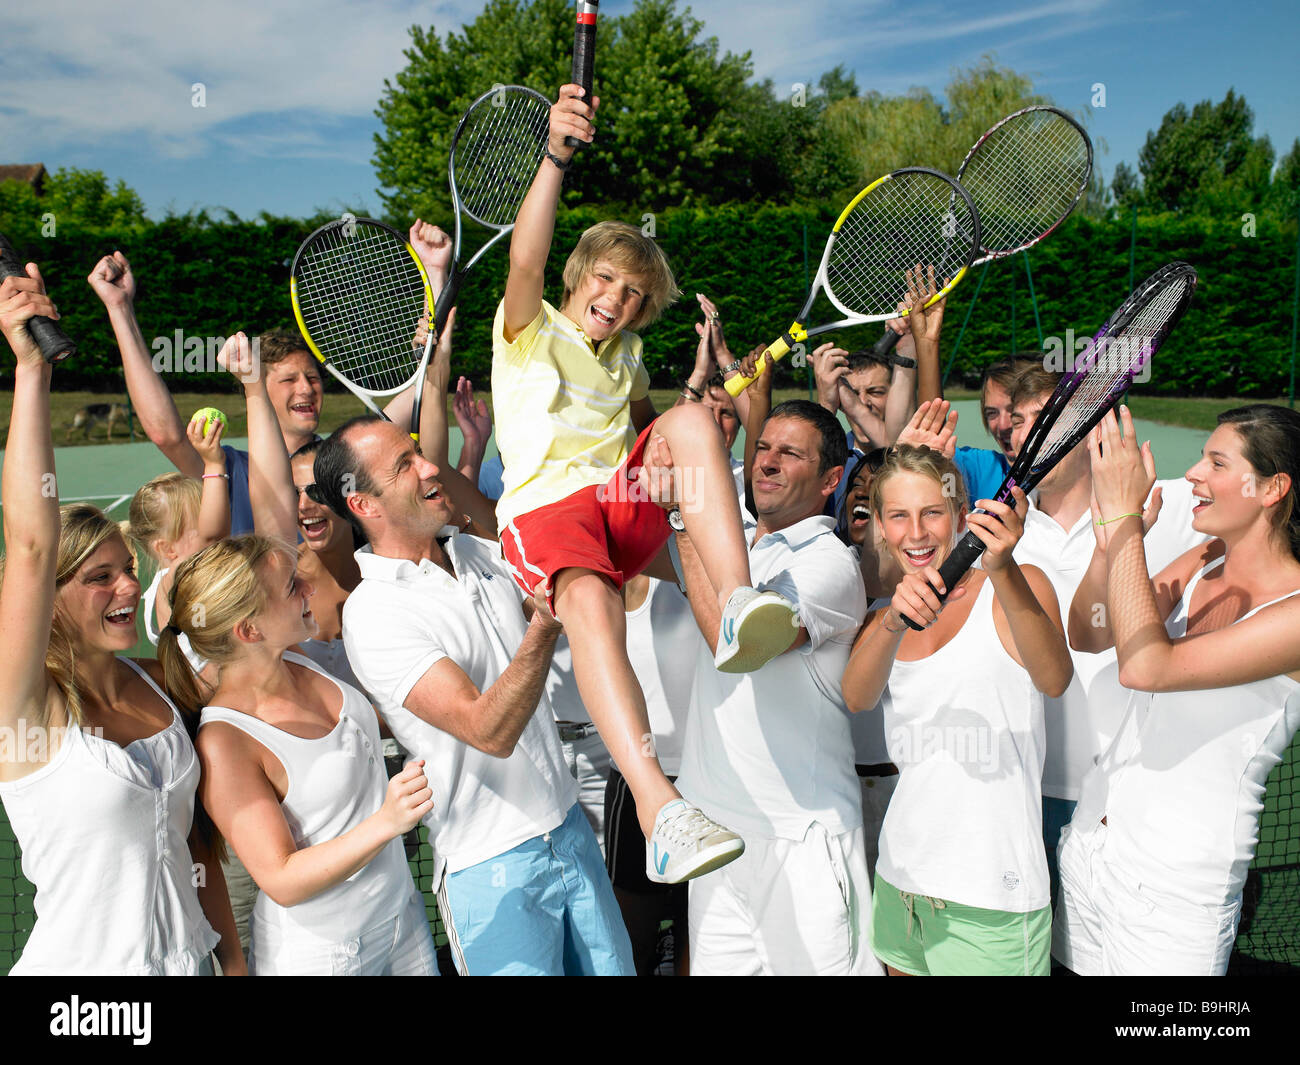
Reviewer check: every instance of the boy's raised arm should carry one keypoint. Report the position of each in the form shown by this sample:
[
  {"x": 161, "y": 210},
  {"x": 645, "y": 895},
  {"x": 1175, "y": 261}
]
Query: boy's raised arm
[{"x": 530, "y": 243}]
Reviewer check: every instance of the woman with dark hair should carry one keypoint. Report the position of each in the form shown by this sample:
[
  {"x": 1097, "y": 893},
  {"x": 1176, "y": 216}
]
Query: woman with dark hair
[
  {"x": 1154, "y": 860},
  {"x": 101, "y": 789}
]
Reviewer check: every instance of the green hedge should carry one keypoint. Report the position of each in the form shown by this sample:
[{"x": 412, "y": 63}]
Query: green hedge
[{"x": 208, "y": 278}]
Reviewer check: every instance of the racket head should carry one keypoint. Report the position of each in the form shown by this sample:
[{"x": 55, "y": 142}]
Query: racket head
[
  {"x": 1026, "y": 175},
  {"x": 1120, "y": 351},
  {"x": 359, "y": 293},
  {"x": 910, "y": 217},
  {"x": 495, "y": 151}
]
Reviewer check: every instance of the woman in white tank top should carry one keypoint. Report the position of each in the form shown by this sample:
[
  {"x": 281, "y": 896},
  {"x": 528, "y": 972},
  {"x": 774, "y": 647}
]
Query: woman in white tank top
[
  {"x": 1155, "y": 858},
  {"x": 97, "y": 772},
  {"x": 295, "y": 775},
  {"x": 961, "y": 881}
]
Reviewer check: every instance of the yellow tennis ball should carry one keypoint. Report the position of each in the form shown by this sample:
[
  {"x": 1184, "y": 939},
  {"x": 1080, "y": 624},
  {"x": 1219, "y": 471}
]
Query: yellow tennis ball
[{"x": 209, "y": 415}]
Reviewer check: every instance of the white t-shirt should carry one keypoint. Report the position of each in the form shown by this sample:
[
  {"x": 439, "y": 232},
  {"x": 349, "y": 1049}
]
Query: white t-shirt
[
  {"x": 402, "y": 619},
  {"x": 769, "y": 753},
  {"x": 663, "y": 645},
  {"x": 1082, "y": 722}
]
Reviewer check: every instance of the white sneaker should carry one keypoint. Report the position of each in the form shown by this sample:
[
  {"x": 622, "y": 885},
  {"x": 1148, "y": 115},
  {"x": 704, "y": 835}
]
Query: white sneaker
[
  {"x": 685, "y": 843},
  {"x": 755, "y": 628}
]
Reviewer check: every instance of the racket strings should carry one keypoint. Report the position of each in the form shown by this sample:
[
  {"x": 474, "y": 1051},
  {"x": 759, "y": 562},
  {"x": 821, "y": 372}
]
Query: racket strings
[
  {"x": 362, "y": 298},
  {"x": 909, "y": 220},
  {"x": 1116, "y": 359},
  {"x": 497, "y": 150},
  {"x": 1025, "y": 177}
]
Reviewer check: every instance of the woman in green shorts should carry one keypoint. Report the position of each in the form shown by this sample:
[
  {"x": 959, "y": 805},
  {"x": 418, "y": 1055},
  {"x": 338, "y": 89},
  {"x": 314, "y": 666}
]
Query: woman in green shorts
[{"x": 961, "y": 882}]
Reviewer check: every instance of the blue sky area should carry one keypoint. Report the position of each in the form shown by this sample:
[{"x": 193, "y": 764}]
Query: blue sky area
[{"x": 291, "y": 85}]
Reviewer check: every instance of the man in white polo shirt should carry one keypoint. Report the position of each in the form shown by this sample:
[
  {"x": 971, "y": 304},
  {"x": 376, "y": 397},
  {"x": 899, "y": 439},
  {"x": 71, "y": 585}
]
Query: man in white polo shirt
[
  {"x": 1059, "y": 540},
  {"x": 771, "y": 749},
  {"x": 437, "y": 633}
]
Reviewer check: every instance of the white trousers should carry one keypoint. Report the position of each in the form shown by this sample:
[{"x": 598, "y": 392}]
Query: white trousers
[
  {"x": 1109, "y": 923},
  {"x": 786, "y": 908}
]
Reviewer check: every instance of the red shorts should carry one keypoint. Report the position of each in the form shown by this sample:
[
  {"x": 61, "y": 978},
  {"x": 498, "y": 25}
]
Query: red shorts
[{"x": 611, "y": 529}]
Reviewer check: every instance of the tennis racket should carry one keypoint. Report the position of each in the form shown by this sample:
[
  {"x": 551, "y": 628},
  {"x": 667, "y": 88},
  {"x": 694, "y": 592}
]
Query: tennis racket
[
  {"x": 360, "y": 293},
  {"x": 52, "y": 340},
  {"x": 495, "y": 152},
  {"x": 584, "y": 53},
  {"x": 914, "y": 216},
  {"x": 1103, "y": 373},
  {"x": 1025, "y": 176}
]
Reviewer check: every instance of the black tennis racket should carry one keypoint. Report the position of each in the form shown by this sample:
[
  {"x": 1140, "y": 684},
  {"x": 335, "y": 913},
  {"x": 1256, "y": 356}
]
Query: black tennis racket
[
  {"x": 360, "y": 295},
  {"x": 1025, "y": 175},
  {"x": 912, "y": 217},
  {"x": 1104, "y": 372},
  {"x": 52, "y": 340},
  {"x": 584, "y": 53}
]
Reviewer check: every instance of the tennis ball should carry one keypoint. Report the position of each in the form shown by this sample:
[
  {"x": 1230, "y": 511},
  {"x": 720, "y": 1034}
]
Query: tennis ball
[{"x": 209, "y": 415}]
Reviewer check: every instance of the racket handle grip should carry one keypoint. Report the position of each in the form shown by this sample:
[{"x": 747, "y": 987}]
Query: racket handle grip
[
  {"x": 584, "y": 53},
  {"x": 887, "y": 342},
  {"x": 954, "y": 567},
  {"x": 50, "y": 338},
  {"x": 738, "y": 384}
]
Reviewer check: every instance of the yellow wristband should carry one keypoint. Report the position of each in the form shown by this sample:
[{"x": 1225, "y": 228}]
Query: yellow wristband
[{"x": 1118, "y": 517}]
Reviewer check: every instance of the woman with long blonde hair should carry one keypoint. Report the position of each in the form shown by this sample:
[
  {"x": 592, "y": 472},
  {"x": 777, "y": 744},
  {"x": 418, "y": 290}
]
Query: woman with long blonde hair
[
  {"x": 100, "y": 789},
  {"x": 294, "y": 773}
]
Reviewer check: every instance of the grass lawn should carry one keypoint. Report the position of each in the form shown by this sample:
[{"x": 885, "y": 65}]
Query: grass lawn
[{"x": 1190, "y": 412}]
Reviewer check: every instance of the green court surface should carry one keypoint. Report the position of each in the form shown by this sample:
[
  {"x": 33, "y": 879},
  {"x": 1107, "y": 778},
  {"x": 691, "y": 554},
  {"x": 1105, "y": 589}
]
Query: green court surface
[{"x": 1269, "y": 938}]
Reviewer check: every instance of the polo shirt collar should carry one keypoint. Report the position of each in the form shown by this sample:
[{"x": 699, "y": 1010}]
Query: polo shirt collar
[
  {"x": 1036, "y": 515},
  {"x": 800, "y": 533},
  {"x": 402, "y": 570}
]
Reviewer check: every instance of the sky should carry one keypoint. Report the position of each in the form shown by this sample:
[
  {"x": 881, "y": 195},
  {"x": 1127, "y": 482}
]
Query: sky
[{"x": 290, "y": 86}]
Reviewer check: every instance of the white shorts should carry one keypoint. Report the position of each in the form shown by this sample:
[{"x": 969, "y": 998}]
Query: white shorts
[
  {"x": 1110, "y": 923},
  {"x": 786, "y": 908},
  {"x": 401, "y": 946}
]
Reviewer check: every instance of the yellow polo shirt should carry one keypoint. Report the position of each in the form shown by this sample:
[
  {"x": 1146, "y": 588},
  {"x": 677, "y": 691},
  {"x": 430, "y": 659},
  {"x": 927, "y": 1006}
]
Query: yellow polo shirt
[{"x": 561, "y": 407}]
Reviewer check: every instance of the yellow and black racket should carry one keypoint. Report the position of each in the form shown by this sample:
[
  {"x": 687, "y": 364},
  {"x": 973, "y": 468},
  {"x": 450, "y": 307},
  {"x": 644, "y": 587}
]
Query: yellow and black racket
[
  {"x": 360, "y": 294},
  {"x": 913, "y": 217}
]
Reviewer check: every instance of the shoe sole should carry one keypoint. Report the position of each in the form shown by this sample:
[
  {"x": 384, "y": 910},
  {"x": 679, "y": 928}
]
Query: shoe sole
[
  {"x": 705, "y": 862},
  {"x": 765, "y": 632}
]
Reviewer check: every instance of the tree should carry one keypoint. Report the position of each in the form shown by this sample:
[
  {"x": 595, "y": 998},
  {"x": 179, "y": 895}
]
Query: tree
[
  {"x": 666, "y": 132},
  {"x": 1284, "y": 190},
  {"x": 1125, "y": 189},
  {"x": 73, "y": 196},
  {"x": 1207, "y": 159}
]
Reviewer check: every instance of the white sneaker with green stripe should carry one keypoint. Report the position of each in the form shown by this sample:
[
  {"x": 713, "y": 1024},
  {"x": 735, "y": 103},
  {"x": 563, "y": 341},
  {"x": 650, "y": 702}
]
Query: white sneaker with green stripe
[
  {"x": 685, "y": 844},
  {"x": 755, "y": 628}
]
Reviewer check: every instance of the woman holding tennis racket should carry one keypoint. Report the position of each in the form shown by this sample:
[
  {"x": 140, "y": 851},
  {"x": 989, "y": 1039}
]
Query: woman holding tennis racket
[
  {"x": 961, "y": 881},
  {"x": 1154, "y": 862},
  {"x": 100, "y": 787}
]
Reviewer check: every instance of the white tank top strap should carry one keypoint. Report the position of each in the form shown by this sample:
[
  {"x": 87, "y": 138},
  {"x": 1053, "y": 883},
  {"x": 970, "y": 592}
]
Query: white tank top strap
[
  {"x": 144, "y": 674},
  {"x": 1177, "y": 622}
]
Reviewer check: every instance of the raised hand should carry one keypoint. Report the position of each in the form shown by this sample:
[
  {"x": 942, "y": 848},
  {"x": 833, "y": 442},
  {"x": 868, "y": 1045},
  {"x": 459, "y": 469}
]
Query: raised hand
[
  {"x": 207, "y": 444},
  {"x": 433, "y": 246},
  {"x": 925, "y": 323},
  {"x": 113, "y": 281},
  {"x": 236, "y": 357},
  {"x": 571, "y": 116},
  {"x": 471, "y": 416},
  {"x": 830, "y": 364},
  {"x": 934, "y": 426},
  {"x": 21, "y": 299}
]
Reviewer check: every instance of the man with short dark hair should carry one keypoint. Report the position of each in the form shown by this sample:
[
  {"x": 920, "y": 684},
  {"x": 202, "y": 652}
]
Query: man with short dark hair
[
  {"x": 771, "y": 750},
  {"x": 438, "y": 633}
]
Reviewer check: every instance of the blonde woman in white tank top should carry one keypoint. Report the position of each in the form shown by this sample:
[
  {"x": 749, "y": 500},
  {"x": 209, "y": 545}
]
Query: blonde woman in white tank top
[
  {"x": 961, "y": 882},
  {"x": 98, "y": 776},
  {"x": 1155, "y": 858},
  {"x": 295, "y": 776}
]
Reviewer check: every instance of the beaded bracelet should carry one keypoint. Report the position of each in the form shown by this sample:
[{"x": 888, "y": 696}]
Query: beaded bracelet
[{"x": 225, "y": 475}]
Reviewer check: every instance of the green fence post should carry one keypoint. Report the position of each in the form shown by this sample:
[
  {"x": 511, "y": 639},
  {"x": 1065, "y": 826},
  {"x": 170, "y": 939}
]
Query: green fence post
[
  {"x": 1033, "y": 299},
  {"x": 962, "y": 331},
  {"x": 1295, "y": 310}
]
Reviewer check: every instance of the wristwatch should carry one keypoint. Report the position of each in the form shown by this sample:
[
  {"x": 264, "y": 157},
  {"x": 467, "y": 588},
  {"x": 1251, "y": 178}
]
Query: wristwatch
[{"x": 675, "y": 519}]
